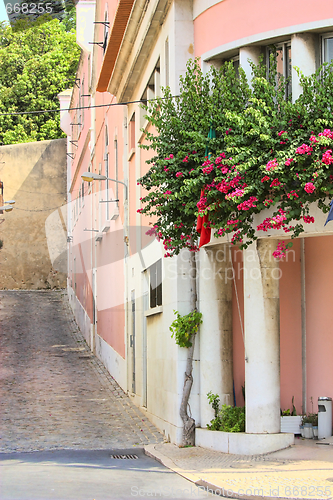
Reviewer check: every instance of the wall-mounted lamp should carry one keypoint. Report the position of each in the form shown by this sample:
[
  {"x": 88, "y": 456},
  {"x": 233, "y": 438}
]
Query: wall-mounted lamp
[
  {"x": 10, "y": 202},
  {"x": 90, "y": 176},
  {"x": 7, "y": 208}
]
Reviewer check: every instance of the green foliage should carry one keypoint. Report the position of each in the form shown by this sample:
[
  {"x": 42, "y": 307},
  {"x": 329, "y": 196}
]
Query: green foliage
[
  {"x": 268, "y": 153},
  {"x": 36, "y": 63},
  {"x": 290, "y": 412},
  {"x": 184, "y": 327},
  {"x": 228, "y": 418},
  {"x": 214, "y": 400},
  {"x": 311, "y": 418},
  {"x": 69, "y": 21}
]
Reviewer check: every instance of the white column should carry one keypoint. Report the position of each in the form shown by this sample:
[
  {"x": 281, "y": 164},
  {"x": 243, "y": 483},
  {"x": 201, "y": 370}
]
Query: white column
[
  {"x": 247, "y": 55},
  {"x": 303, "y": 56},
  {"x": 262, "y": 338},
  {"x": 216, "y": 363}
]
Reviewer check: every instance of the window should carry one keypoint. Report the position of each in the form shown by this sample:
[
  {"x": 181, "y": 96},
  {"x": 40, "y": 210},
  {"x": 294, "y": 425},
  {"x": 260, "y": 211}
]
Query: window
[
  {"x": 151, "y": 91},
  {"x": 82, "y": 187},
  {"x": 106, "y": 161},
  {"x": 155, "y": 272},
  {"x": 131, "y": 132},
  {"x": 327, "y": 48},
  {"x": 283, "y": 62},
  {"x": 116, "y": 167},
  {"x": 82, "y": 103},
  {"x": 167, "y": 66},
  {"x": 106, "y": 31}
]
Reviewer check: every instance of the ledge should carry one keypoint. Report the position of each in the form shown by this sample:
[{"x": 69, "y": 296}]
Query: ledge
[
  {"x": 131, "y": 153},
  {"x": 154, "y": 310},
  {"x": 241, "y": 443}
]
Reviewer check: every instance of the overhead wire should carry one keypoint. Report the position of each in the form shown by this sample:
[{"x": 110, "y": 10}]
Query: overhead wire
[{"x": 40, "y": 111}]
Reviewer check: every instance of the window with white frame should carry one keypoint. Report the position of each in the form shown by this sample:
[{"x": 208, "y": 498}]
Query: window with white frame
[
  {"x": 155, "y": 284},
  {"x": 283, "y": 62},
  {"x": 116, "y": 167},
  {"x": 82, "y": 188},
  {"x": 167, "y": 65},
  {"x": 106, "y": 163},
  {"x": 327, "y": 48},
  {"x": 106, "y": 30},
  {"x": 152, "y": 90}
]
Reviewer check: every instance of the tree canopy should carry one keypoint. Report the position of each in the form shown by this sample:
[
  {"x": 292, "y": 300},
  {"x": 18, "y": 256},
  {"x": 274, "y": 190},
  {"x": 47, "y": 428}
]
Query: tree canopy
[
  {"x": 37, "y": 61},
  {"x": 265, "y": 152}
]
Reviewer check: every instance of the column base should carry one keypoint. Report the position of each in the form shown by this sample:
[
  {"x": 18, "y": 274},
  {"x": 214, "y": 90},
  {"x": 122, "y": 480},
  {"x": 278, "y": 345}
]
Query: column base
[{"x": 241, "y": 443}]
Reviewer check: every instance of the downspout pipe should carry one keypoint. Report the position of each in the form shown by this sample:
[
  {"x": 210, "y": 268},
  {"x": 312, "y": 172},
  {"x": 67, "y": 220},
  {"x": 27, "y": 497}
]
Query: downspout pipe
[{"x": 303, "y": 320}]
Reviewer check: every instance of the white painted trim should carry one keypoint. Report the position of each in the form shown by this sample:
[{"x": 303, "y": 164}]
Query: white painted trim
[
  {"x": 154, "y": 310},
  {"x": 241, "y": 443},
  {"x": 317, "y": 228},
  {"x": 200, "y": 6},
  {"x": 115, "y": 364},
  {"x": 266, "y": 37}
]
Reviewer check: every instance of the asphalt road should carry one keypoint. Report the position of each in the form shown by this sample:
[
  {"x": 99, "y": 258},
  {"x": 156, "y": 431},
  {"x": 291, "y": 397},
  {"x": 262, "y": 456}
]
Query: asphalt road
[{"x": 90, "y": 475}]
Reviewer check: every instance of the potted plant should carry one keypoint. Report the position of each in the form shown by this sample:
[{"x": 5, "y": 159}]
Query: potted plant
[
  {"x": 290, "y": 421},
  {"x": 314, "y": 417},
  {"x": 308, "y": 428}
]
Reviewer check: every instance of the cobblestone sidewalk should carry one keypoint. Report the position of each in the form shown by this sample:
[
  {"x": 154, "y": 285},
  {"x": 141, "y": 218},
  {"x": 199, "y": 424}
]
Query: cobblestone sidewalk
[{"x": 53, "y": 392}]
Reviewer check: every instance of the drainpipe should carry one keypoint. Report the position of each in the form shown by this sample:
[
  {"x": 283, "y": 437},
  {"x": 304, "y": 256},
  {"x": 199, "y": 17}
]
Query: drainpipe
[{"x": 303, "y": 316}]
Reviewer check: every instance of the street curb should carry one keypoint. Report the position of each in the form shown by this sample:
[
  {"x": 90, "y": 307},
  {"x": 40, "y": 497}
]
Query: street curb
[{"x": 192, "y": 476}]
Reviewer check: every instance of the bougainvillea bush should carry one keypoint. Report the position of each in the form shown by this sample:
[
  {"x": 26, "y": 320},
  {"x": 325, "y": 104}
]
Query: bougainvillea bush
[{"x": 226, "y": 149}]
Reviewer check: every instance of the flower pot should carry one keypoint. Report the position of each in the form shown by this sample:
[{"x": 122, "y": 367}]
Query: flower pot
[
  {"x": 290, "y": 423},
  {"x": 302, "y": 430},
  {"x": 308, "y": 431},
  {"x": 315, "y": 431}
]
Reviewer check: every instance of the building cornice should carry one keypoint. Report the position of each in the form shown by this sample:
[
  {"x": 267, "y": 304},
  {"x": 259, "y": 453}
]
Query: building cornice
[
  {"x": 115, "y": 39},
  {"x": 138, "y": 40}
]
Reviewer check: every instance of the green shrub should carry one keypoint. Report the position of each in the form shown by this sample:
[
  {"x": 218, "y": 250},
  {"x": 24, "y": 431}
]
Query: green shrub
[{"x": 228, "y": 418}]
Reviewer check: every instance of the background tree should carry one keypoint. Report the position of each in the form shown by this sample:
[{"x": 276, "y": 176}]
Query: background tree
[{"x": 37, "y": 61}]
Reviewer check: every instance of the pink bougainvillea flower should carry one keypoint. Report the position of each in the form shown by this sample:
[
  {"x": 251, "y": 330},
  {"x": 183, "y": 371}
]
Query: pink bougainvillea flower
[
  {"x": 309, "y": 187},
  {"x": 179, "y": 174},
  {"x": 271, "y": 165},
  {"x": 247, "y": 204},
  {"x": 304, "y": 149},
  {"x": 282, "y": 132},
  {"x": 292, "y": 194},
  {"x": 288, "y": 161},
  {"x": 208, "y": 169},
  {"x": 281, "y": 250},
  {"x": 275, "y": 182},
  {"x": 265, "y": 178},
  {"x": 235, "y": 194},
  {"x": 327, "y": 157},
  {"x": 308, "y": 219},
  {"x": 326, "y": 133}
]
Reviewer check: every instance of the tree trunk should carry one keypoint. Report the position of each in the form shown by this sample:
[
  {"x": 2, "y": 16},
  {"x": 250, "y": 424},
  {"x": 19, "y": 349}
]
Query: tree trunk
[{"x": 188, "y": 421}]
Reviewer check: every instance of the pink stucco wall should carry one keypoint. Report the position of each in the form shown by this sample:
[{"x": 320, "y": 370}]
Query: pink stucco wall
[
  {"x": 235, "y": 19},
  {"x": 319, "y": 321},
  {"x": 319, "y": 317},
  {"x": 291, "y": 329},
  {"x": 238, "y": 321}
]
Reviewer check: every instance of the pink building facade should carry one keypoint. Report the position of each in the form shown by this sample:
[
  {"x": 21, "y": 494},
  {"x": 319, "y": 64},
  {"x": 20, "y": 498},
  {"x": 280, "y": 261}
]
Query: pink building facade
[{"x": 122, "y": 290}]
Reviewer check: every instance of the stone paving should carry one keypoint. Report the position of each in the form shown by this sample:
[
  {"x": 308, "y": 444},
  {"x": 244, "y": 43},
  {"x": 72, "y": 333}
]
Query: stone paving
[
  {"x": 54, "y": 394},
  {"x": 303, "y": 471}
]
